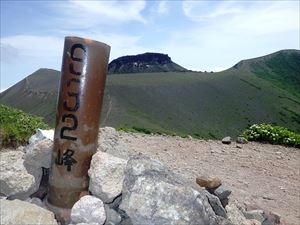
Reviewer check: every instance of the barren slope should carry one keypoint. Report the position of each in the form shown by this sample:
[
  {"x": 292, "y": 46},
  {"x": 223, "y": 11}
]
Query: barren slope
[{"x": 263, "y": 175}]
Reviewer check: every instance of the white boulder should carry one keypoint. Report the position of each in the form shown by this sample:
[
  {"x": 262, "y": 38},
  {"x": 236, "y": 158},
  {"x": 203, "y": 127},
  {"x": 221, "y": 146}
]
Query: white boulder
[
  {"x": 14, "y": 178},
  {"x": 41, "y": 134},
  {"x": 106, "y": 176},
  {"x": 109, "y": 141},
  {"x": 24, "y": 213},
  {"x": 89, "y": 210},
  {"x": 38, "y": 154}
]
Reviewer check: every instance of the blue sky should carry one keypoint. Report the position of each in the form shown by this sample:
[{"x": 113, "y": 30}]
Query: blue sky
[{"x": 199, "y": 35}]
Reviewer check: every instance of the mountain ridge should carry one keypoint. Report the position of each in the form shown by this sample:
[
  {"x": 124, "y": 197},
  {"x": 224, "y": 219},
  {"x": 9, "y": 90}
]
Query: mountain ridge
[
  {"x": 208, "y": 105},
  {"x": 144, "y": 63}
]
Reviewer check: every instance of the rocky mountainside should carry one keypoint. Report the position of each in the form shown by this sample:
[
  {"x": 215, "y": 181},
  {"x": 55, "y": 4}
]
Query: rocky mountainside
[
  {"x": 207, "y": 105},
  {"x": 143, "y": 179},
  {"x": 144, "y": 63}
]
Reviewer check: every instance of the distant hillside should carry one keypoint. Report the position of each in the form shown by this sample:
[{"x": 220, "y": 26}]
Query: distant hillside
[
  {"x": 282, "y": 68},
  {"x": 207, "y": 105},
  {"x": 144, "y": 63},
  {"x": 36, "y": 94}
]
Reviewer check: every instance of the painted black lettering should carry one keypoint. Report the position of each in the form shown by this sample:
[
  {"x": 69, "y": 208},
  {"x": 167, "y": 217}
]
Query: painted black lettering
[
  {"x": 66, "y": 159},
  {"x": 63, "y": 129},
  {"x": 73, "y": 94},
  {"x": 71, "y": 66}
]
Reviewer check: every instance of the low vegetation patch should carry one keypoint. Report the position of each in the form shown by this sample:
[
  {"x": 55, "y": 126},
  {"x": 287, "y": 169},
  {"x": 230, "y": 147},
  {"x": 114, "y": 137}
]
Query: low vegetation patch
[
  {"x": 16, "y": 126},
  {"x": 272, "y": 134}
]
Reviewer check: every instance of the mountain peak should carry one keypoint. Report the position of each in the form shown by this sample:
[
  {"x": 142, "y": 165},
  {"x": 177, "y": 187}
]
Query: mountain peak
[{"x": 144, "y": 63}]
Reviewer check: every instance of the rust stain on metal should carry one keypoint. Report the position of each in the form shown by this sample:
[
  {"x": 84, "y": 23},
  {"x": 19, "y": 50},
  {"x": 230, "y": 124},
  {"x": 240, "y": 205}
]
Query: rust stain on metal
[{"x": 82, "y": 83}]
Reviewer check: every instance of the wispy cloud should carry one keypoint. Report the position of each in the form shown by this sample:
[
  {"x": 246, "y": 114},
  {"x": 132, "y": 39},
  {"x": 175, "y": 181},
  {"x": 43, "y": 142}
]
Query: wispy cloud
[
  {"x": 256, "y": 17},
  {"x": 32, "y": 46},
  {"x": 201, "y": 10},
  {"x": 87, "y": 14},
  {"x": 8, "y": 53},
  {"x": 224, "y": 32},
  {"x": 162, "y": 7}
]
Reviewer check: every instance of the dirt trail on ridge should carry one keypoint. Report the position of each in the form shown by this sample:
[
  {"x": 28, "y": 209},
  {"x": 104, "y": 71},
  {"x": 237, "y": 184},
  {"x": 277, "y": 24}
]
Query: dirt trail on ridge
[{"x": 262, "y": 175}]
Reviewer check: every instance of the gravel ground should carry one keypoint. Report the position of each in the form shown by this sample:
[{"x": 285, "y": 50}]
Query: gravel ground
[{"x": 260, "y": 175}]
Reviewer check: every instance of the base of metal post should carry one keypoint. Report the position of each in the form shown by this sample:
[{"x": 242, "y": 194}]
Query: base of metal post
[{"x": 62, "y": 215}]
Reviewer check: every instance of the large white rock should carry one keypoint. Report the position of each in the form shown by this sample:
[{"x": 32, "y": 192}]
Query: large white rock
[
  {"x": 89, "y": 210},
  {"x": 14, "y": 178},
  {"x": 19, "y": 212},
  {"x": 106, "y": 176},
  {"x": 109, "y": 141},
  {"x": 41, "y": 134},
  {"x": 38, "y": 154},
  {"x": 154, "y": 195}
]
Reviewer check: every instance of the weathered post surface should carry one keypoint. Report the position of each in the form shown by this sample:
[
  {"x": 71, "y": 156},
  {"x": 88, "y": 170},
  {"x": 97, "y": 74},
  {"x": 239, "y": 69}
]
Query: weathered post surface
[{"x": 82, "y": 82}]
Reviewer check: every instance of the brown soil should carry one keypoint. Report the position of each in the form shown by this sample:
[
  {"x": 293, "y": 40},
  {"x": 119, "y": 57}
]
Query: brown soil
[{"x": 261, "y": 175}]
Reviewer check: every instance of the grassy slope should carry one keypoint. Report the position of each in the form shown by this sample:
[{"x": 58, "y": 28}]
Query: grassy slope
[
  {"x": 208, "y": 105},
  {"x": 35, "y": 94}
]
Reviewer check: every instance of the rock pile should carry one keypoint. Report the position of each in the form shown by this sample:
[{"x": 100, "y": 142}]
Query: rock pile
[{"x": 124, "y": 189}]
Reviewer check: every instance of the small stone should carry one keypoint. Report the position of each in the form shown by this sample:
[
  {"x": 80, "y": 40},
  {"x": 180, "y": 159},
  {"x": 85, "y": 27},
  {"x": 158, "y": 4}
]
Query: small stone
[
  {"x": 88, "y": 209},
  {"x": 221, "y": 192},
  {"x": 278, "y": 153},
  {"x": 208, "y": 182},
  {"x": 241, "y": 140},
  {"x": 226, "y": 140},
  {"x": 267, "y": 197},
  {"x": 255, "y": 215}
]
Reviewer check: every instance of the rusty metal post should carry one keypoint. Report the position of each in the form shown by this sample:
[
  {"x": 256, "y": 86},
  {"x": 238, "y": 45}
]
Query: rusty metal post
[{"x": 83, "y": 76}]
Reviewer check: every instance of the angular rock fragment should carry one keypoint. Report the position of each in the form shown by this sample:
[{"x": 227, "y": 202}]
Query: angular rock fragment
[{"x": 106, "y": 176}]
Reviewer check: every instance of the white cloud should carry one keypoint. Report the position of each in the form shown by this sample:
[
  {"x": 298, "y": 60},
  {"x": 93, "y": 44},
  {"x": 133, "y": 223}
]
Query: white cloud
[
  {"x": 87, "y": 14},
  {"x": 8, "y": 53},
  {"x": 162, "y": 8},
  {"x": 224, "y": 33},
  {"x": 259, "y": 17},
  {"x": 201, "y": 10},
  {"x": 50, "y": 48},
  {"x": 34, "y": 46}
]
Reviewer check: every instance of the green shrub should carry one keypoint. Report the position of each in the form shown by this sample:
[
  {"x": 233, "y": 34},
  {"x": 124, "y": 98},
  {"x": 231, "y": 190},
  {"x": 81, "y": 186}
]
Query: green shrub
[
  {"x": 141, "y": 130},
  {"x": 16, "y": 126},
  {"x": 272, "y": 134}
]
